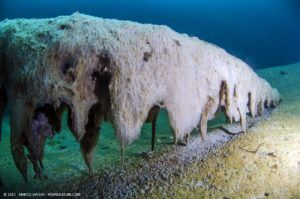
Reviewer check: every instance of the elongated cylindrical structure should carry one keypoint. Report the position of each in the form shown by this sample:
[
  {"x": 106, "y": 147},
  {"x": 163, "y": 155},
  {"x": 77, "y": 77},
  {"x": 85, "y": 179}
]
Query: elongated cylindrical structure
[{"x": 120, "y": 69}]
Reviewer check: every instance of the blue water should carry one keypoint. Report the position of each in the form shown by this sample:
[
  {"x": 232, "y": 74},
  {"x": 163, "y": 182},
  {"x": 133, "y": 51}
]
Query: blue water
[{"x": 263, "y": 33}]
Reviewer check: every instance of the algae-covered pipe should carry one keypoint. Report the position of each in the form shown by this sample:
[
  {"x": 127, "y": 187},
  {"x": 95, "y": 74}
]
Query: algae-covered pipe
[{"x": 54, "y": 62}]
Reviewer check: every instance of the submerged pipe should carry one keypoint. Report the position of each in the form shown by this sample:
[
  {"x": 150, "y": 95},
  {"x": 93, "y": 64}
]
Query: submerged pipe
[{"x": 67, "y": 60}]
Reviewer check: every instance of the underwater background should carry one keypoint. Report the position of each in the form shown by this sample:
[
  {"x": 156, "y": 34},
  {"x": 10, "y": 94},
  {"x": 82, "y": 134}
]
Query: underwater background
[{"x": 262, "y": 33}]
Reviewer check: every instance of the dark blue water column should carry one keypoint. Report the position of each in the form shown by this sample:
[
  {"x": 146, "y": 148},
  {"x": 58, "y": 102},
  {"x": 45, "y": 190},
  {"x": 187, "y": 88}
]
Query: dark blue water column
[{"x": 261, "y": 32}]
